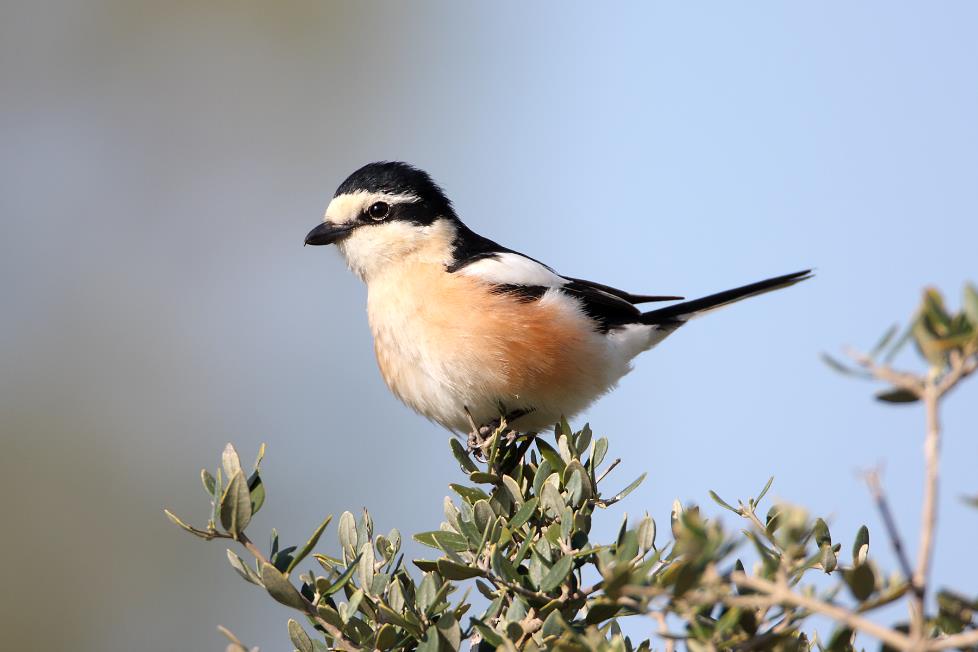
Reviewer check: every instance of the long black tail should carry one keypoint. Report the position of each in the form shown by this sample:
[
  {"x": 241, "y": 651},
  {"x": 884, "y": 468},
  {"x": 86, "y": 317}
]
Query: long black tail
[{"x": 686, "y": 310}]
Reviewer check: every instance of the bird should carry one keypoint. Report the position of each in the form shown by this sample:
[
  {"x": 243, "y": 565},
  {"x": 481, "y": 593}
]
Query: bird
[{"x": 467, "y": 331}]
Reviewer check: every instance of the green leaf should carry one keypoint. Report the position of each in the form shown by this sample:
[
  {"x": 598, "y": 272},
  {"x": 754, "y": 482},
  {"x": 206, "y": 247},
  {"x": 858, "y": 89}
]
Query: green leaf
[
  {"x": 862, "y": 540},
  {"x": 557, "y": 574},
  {"x": 821, "y": 533},
  {"x": 189, "y": 528},
  {"x": 481, "y": 477},
  {"x": 243, "y": 569},
  {"x": 470, "y": 494},
  {"x": 236, "y": 505},
  {"x": 208, "y": 481},
  {"x": 365, "y": 569},
  {"x": 442, "y": 540},
  {"x": 763, "y": 493},
  {"x": 451, "y": 570},
  {"x": 828, "y": 559},
  {"x": 310, "y": 544},
  {"x": 257, "y": 490},
  {"x": 722, "y": 503},
  {"x": 646, "y": 534},
  {"x": 430, "y": 642},
  {"x": 583, "y": 441},
  {"x": 300, "y": 639},
  {"x": 897, "y": 395},
  {"x": 514, "y": 490},
  {"x": 971, "y": 304},
  {"x": 550, "y": 500},
  {"x": 488, "y": 634},
  {"x": 861, "y": 581},
  {"x": 598, "y": 454},
  {"x": 427, "y": 591},
  {"x": 551, "y": 455},
  {"x": 462, "y": 456},
  {"x": 542, "y": 473},
  {"x": 279, "y": 587},
  {"x": 449, "y": 630},
  {"x": 347, "y": 532},
  {"x": 627, "y": 490},
  {"x": 342, "y": 580},
  {"x": 839, "y": 367},
  {"x": 884, "y": 340},
  {"x": 230, "y": 461},
  {"x": 386, "y": 637},
  {"x": 524, "y": 513}
]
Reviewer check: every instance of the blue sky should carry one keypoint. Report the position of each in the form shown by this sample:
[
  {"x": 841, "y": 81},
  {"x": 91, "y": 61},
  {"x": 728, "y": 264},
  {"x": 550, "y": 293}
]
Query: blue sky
[{"x": 164, "y": 164}]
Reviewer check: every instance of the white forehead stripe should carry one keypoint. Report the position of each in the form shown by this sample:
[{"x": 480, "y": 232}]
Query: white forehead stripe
[
  {"x": 513, "y": 269},
  {"x": 348, "y": 206}
]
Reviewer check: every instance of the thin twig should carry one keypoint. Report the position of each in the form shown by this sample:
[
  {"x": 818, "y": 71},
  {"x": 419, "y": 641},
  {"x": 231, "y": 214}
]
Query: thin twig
[
  {"x": 781, "y": 594},
  {"x": 962, "y": 640},
  {"x": 664, "y": 629},
  {"x": 902, "y": 379},
  {"x": 876, "y": 490}
]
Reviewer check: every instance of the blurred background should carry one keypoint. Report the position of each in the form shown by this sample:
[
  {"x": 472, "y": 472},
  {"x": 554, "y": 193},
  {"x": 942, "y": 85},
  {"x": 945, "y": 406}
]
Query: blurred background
[{"x": 162, "y": 162}]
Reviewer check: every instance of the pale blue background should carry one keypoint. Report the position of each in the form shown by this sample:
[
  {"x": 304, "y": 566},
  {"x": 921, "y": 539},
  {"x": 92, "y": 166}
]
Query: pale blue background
[{"x": 161, "y": 163}]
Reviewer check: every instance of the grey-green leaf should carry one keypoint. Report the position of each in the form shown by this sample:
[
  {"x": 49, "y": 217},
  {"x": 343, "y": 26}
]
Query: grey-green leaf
[
  {"x": 243, "y": 569},
  {"x": 309, "y": 545},
  {"x": 230, "y": 461},
  {"x": 557, "y": 574},
  {"x": 300, "y": 639},
  {"x": 236, "y": 505},
  {"x": 279, "y": 587}
]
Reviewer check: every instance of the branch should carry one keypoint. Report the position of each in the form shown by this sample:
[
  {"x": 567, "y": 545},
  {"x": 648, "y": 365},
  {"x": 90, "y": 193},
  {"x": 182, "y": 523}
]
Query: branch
[
  {"x": 780, "y": 593},
  {"x": 928, "y": 512},
  {"x": 962, "y": 640},
  {"x": 310, "y": 608},
  {"x": 876, "y": 490},
  {"x": 902, "y": 379}
]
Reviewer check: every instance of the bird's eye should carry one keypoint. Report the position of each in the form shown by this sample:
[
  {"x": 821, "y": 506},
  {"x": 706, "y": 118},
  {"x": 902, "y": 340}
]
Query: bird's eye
[{"x": 379, "y": 210}]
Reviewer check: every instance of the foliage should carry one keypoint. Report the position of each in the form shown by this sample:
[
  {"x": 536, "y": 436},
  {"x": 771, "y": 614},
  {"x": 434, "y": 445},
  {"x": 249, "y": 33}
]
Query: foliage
[{"x": 519, "y": 531}]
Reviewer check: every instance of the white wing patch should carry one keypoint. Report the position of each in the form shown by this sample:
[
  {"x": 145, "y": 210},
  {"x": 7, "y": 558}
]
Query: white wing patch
[{"x": 513, "y": 269}]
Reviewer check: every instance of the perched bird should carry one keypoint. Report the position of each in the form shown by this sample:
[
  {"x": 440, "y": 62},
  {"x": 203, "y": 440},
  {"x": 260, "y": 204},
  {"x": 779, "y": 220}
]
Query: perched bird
[{"x": 466, "y": 330}]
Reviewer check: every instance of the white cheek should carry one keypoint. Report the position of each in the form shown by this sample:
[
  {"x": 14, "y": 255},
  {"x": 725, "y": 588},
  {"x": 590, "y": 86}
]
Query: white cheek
[{"x": 370, "y": 247}]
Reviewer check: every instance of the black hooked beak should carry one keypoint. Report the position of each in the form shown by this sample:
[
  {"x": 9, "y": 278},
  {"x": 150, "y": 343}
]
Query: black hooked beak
[{"x": 327, "y": 233}]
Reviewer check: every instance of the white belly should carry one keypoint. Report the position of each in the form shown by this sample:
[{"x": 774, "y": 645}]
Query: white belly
[{"x": 444, "y": 343}]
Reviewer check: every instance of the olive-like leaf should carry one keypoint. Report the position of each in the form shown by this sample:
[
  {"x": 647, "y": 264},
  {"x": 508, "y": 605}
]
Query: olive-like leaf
[
  {"x": 230, "y": 461},
  {"x": 722, "y": 503},
  {"x": 299, "y": 638},
  {"x": 451, "y": 570},
  {"x": 860, "y": 546},
  {"x": 629, "y": 489},
  {"x": 236, "y": 505},
  {"x": 442, "y": 540},
  {"x": 861, "y": 581},
  {"x": 897, "y": 395},
  {"x": 243, "y": 569},
  {"x": 309, "y": 545},
  {"x": 279, "y": 587},
  {"x": 462, "y": 456},
  {"x": 342, "y": 580},
  {"x": 557, "y": 574}
]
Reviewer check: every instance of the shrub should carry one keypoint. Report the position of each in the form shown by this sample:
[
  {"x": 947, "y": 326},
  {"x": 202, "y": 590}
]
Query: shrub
[{"x": 520, "y": 531}]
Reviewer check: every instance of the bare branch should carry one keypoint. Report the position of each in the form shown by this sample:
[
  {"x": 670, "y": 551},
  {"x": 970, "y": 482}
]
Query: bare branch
[
  {"x": 902, "y": 379},
  {"x": 928, "y": 512}
]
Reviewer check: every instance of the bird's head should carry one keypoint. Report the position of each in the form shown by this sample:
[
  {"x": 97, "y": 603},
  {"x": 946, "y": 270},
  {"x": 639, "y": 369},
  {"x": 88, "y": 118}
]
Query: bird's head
[{"x": 387, "y": 213}]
